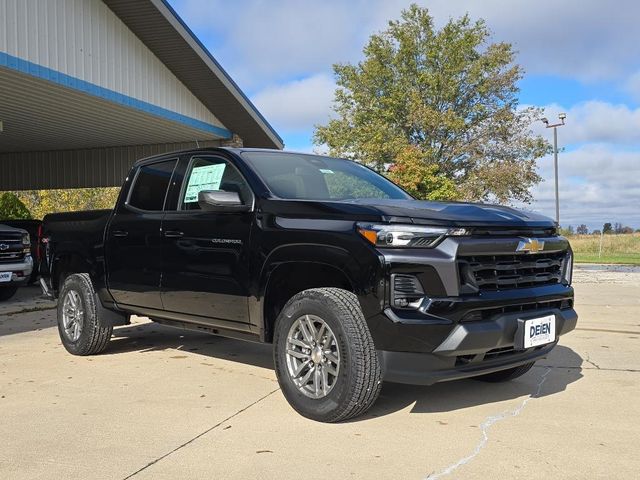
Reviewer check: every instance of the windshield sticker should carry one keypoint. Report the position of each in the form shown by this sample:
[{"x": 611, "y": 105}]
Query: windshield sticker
[
  {"x": 326, "y": 170},
  {"x": 207, "y": 177}
]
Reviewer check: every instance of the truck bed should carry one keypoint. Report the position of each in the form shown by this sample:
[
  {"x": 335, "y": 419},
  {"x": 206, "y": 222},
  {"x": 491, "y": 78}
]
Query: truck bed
[{"x": 74, "y": 233}]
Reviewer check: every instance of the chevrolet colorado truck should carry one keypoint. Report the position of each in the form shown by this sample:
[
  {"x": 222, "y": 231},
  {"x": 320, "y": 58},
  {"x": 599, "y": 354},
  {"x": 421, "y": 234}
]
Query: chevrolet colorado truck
[
  {"x": 352, "y": 280},
  {"x": 16, "y": 263}
]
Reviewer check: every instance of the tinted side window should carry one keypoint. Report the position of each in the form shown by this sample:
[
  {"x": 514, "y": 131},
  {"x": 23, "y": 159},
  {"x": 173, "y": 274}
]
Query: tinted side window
[
  {"x": 151, "y": 184},
  {"x": 210, "y": 173}
]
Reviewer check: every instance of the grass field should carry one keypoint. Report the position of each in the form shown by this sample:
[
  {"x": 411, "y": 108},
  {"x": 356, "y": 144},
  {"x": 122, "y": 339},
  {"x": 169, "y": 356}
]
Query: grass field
[{"x": 619, "y": 249}]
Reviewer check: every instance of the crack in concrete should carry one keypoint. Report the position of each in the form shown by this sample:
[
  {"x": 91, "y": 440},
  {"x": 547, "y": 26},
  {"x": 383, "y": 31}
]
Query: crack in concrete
[
  {"x": 484, "y": 428},
  {"x": 591, "y": 362},
  {"x": 602, "y": 369},
  {"x": 200, "y": 434},
  {"x": 13, "y": 313},
  {"x": 608, "y": 330}
]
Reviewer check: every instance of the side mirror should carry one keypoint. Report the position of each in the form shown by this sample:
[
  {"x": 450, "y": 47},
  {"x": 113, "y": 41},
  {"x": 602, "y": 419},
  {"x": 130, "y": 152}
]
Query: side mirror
[{"x": 221, "y": 201}]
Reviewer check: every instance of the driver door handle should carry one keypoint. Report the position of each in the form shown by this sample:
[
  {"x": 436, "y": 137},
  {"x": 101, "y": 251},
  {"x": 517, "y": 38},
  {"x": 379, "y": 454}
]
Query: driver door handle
[
  {"x": 173, "y": 234},
  {"x": 120, "y": 233}
]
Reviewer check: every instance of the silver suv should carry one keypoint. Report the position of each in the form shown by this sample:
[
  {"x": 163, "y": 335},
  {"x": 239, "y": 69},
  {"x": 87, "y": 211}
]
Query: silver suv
[{"x": 16, "y": 263}]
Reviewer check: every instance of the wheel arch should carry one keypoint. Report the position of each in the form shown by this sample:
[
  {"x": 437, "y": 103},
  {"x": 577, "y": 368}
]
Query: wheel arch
[
  {"x": 290, "y": 269},
  {"x": 67, "y": 264},
  {"x": 293, "y": 268}
]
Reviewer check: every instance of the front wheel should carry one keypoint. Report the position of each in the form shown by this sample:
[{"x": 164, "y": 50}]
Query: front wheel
[
  {"x": 324, "y": 355},
  {"x": 81, "y": 329},
  {"x": 7, "y": 292},
  {"x": 506, "y": 375}
]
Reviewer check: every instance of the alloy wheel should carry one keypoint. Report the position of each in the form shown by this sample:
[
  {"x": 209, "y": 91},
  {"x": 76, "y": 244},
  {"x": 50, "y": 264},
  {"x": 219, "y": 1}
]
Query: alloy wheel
[{"x": 313, "y": 356}]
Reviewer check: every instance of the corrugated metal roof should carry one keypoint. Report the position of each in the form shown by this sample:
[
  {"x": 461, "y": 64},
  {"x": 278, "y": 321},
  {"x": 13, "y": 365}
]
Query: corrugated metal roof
[
  {"x": 40, "y": 115},
  {"x": 84, "y": 45},
  {"x": 167, "y": 36}
]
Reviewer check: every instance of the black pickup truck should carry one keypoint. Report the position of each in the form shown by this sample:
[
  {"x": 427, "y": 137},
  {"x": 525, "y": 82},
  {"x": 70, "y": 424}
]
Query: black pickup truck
[{"x": 352, "y": 280}]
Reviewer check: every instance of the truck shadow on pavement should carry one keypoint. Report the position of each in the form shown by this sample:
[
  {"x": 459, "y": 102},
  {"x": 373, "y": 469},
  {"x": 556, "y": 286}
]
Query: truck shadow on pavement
[
  {"x": 562, "y": 367},
  {"x": 553, "y": 375},
  {"x": 149, "y": 337}
]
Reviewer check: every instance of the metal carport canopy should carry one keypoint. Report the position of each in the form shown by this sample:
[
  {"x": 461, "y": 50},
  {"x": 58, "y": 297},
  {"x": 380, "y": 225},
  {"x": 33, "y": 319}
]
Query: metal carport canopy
[
  {"x": 162, "y": 30},
  {"x": 63, "y": 132}
]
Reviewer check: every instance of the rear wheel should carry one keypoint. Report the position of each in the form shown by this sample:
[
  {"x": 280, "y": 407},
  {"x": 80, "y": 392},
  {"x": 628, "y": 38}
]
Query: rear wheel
[
  {"x": 7, "y": 292},
  {"x": 81, "y": 329},
  {"x": 324, "y": 355},
  {"x": 506, "y": 375}
]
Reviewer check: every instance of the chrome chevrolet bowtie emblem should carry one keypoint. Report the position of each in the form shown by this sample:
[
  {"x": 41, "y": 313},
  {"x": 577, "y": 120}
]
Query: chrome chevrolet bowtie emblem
[
  {"x": 3, "y": 247},
  {"x": 530, "y": 245}
]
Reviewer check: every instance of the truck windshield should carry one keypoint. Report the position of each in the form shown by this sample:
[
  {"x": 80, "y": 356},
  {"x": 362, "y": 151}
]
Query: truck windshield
[{"x": 314, "y": 177}]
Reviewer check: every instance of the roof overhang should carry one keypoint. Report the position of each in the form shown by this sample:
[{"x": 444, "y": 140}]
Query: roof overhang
[
  {"x": 41, "y": 111},
  {"x": 167, "y": 36}
]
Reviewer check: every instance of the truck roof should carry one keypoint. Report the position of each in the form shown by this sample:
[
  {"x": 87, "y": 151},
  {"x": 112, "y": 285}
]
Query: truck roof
[{"x": 218, "y": 149}]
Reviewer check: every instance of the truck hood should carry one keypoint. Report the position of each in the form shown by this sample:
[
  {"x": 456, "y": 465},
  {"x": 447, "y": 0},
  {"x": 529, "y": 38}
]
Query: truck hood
[
  {"x": 8, "y": 229},
  {"x": 454, "y": 213}
]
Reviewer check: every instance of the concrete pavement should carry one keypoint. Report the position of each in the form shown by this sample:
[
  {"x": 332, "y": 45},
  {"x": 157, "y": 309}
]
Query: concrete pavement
[{"x": 166, "y": 404}]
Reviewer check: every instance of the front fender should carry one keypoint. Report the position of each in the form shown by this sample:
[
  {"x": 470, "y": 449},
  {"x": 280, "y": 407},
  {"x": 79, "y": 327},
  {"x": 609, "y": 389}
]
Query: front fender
[{"x": 363, "y": 271}]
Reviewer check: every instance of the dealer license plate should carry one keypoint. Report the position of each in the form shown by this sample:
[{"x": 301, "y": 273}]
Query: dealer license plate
[
  {"x": 539, "y": 331},
  {"x": 5, "y": 276}
]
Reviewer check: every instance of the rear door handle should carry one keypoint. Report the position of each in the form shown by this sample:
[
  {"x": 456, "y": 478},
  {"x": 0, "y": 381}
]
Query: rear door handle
[
  {"x": 120, "y": 233},
  {"x": 173, "y": 234}
]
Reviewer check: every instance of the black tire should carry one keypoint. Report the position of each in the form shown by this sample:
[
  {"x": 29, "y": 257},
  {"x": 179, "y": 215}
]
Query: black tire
[
  {"x": 7, "y": 292},
  {"x": 506, "y": 375},
  {"x": 359, "y": 378},
  {"x": 94, "y": 333}
]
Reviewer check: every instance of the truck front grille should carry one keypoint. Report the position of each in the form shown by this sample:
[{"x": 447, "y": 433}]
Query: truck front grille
[
  {"x": 11, "y": 251},
  {"x": 504, "y": 272}
]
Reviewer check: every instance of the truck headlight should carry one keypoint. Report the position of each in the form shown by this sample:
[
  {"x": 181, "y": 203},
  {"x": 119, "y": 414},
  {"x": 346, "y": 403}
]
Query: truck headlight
[
  {"x": 26, "y": 243},
  {"x": 408, "y": 236},
  {"x": 567, "y": 270}
]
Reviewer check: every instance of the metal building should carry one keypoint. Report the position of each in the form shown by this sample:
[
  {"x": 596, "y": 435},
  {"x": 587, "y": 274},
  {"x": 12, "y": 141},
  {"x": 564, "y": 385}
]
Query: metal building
[{"x": 89, "y": 86}]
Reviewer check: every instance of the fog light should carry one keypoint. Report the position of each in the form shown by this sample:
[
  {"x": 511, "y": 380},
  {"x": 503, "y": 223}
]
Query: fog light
[{"x": 406, "y": 291}]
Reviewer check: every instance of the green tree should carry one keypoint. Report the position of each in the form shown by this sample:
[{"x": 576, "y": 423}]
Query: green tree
[
  {"x": 607, "y": 228},
  {"x": 582, "y": 229},
  {"x": 567, "y": 232},
  {"x": 42, "y": 202},
  {"x": 449, "y": 93},
  {"x": 11, "y": 208},
  {"x": 419, "y": 178}
]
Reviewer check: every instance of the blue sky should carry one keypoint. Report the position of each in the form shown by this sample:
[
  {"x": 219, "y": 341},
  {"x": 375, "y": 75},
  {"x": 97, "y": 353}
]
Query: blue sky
[{"x": 580, "y": 57}]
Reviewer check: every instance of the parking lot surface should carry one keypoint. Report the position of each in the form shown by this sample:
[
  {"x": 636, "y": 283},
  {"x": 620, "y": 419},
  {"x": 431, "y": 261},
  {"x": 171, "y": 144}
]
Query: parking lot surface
[{"x": 162, "y": 403}]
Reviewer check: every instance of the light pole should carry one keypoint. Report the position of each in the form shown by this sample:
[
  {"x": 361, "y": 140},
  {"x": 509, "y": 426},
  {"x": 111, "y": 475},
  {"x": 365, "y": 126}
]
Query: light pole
[{"x": 555, "y": 126}]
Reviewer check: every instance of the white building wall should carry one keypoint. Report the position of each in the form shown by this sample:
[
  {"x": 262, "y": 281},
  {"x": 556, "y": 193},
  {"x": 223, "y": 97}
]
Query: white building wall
[{"x": 86, "y": 40}]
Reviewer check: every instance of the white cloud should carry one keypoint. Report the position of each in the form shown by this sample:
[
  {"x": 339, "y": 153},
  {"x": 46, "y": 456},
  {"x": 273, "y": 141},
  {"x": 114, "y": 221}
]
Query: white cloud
[
  {"x": 297, "y": 105},
  {"x": 598, "y": 184},
  {"x": 594, "y": 122},
  {"x": 573, "y": 38},
  {"x": 274, "y": 40}
]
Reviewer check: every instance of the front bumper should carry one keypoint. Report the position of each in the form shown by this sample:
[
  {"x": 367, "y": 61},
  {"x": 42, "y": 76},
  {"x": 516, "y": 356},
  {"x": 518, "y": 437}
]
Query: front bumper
[
  {"x": 21, "y": 271},
  {"x": 453, "y": 311},
  {"x": 471, "y": 349}
]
